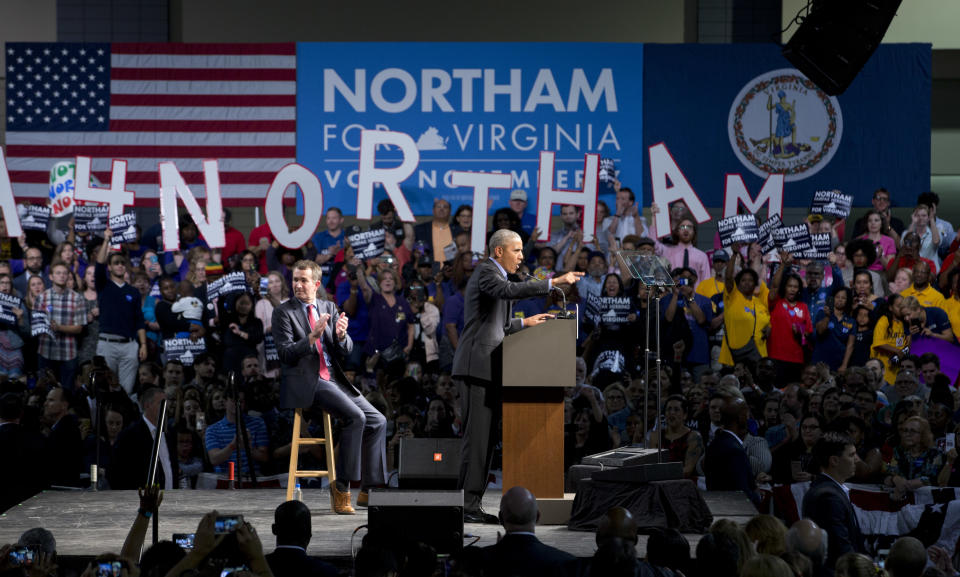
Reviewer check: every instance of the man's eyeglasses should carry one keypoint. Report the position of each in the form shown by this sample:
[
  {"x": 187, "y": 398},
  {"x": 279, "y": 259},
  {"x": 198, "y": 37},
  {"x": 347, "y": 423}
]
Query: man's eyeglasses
[{"x": 685, "y": 227}]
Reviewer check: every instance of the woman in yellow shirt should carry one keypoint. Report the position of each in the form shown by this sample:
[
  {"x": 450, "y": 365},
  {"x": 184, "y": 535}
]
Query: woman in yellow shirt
[
  {"x": 891, "y": 340},
  {"x": 745, "y": 319}
]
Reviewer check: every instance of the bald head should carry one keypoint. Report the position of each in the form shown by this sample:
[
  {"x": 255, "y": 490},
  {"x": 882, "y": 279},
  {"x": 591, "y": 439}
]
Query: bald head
[
  {"x": 617, "y": 523},
  {"x": 733, "y": 415},
  {"x": 808, "y": 538},
  {"x": 907, "y": 558},
  {"x": 518, "y": 510}
]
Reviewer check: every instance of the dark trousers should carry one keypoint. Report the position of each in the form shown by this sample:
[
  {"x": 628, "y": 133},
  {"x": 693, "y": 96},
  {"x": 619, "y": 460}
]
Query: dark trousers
[
  {"x": 363, "y": 445},
  {"x": 482, "y": 411},
  {"x": 65, "y": 370}
]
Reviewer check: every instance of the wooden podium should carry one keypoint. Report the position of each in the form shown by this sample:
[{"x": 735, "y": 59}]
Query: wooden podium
[{"x": 538, "y": 363}]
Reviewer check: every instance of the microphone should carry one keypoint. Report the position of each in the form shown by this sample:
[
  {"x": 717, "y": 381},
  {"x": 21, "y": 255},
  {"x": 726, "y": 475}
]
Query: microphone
[{"x": 564, "y": 314}]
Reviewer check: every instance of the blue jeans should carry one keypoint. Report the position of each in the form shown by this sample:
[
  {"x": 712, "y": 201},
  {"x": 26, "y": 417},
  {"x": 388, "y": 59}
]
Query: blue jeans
[{"x": 65, "y": 370}]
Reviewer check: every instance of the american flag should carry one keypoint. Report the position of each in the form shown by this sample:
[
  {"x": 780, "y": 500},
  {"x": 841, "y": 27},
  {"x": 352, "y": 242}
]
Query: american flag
[{"x": 147, "y": 103}]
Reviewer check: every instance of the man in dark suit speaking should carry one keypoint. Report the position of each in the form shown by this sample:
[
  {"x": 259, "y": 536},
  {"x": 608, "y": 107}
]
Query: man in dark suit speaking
[
  {"x": 311, "y": 335},
  {"x": 827, "y": 502},
  {"x": 488, "y": 300}
]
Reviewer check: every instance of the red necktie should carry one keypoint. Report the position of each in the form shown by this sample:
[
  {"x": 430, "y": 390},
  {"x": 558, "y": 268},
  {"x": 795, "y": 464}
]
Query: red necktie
[{"x": 324, "y": 372}]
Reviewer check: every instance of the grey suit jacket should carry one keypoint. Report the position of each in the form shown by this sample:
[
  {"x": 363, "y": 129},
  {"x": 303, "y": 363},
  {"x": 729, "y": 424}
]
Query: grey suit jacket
[
  {"x": 487, "y": 311},
  {"x": 299, "y": 362}
]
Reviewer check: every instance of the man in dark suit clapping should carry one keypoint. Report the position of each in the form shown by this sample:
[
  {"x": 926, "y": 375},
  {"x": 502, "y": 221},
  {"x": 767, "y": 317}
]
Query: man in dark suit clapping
[
  {"x": 488, "y": 301},
  {"x": 311, "y": 337},
  {"x": 827, "y": 502},
  {"x": 293, "y": 529}
]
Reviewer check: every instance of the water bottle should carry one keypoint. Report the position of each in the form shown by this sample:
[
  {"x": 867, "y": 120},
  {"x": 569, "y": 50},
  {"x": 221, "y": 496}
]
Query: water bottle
[{"x": 297, "y": 493}]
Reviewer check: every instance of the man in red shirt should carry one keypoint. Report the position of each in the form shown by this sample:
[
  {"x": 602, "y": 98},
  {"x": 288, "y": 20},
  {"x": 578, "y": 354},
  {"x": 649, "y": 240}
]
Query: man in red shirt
[
  {"x": 260, "y": 239},
  {"x": 235, "y": 243},
  {"x": 907, "y": 256}
]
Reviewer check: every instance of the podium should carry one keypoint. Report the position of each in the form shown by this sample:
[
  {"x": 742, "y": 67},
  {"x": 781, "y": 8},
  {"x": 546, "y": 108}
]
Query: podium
[{"x": 538, "y": 362}]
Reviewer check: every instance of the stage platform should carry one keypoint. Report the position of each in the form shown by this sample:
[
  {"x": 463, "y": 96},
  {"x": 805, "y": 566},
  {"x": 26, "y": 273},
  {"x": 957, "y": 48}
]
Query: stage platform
[{"x": 88, "y": 523}]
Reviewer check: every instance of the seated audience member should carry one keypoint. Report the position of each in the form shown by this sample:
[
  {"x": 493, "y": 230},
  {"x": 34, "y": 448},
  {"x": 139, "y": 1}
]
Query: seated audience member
[
  {"x": 857, "y": 565},
  {"x": 766, "y": 566},
  {"x": 64, "y": 445},
  {"x": 905, "y": 384},
  {"x": 519, "y": 552},
  {"x": 717, "y": 556},
  {"x": 805, "y": 538},
  {"x": 683, "y": 443},
  {"x": 669, "y": 549},
  {"x": 292, "y": 526},
  {"x": 736, "y": 534},
  {"x": 248, "y": 545},
  {"x": 907, "y": 558},
  {"x": 726, "y": 465},
  {"x": 799, "y": 563},
  {"x": 589, "y": 435},
  {"x": 794, "y": 462},
  {"x": 827, "y": 502},
  {"x": 768, "y": 533},
  {"x": 131, "y": 457},
  {"x": 222, "y": 439},
  {"x": 916, "y": 461}
]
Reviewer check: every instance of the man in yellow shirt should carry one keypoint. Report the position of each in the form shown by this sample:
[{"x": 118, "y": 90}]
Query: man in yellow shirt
[{"x": 921, "y": 287}]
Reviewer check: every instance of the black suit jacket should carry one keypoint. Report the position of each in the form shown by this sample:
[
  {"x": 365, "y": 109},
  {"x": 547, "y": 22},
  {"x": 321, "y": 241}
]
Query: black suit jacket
[
  {"x": 829, "y": 507},
  {"x": 727, "y": 467},
  {"x": 522, "y": 556},
  {"x": 131, "y": 457},
  {"x": 22, "y": 451},
  {"x": 294, "y": 563},
  {"x": 300, "y": 362},
  {"x": 65, "y": 452},
  {"x": 487, "y": 311}
]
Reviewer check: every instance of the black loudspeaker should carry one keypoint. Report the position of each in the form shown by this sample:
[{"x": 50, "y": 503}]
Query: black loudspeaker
[
  {"x": 429, "y": 464},
  {"x": 837, "y": 38},
  {"x": 431, "y": 517}
]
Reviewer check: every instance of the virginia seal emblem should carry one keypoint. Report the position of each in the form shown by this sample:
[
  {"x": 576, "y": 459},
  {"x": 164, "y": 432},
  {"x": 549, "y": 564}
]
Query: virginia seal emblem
[{"x": 782, "y": 123}]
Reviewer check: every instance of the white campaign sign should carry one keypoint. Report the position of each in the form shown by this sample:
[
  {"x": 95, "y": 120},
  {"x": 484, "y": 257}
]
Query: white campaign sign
[
  {"x": 481, "y": 182},
  {"x": 586, "y": 198},
  {"x": 172, "y": 185}
]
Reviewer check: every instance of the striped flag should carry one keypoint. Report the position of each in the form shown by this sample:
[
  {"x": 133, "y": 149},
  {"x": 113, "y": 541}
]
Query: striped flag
[{"x": 147, "y": 103}]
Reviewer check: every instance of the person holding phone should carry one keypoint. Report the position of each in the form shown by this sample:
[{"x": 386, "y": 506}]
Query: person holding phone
[{"x": 312, "y": 339}]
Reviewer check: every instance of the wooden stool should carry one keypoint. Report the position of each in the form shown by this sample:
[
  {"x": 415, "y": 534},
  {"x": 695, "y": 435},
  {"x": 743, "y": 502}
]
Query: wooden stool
[{"x": 297, "y": 442}]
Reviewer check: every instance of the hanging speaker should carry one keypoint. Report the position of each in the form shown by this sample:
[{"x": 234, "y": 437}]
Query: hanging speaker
[{"x": 837, "y": 38}]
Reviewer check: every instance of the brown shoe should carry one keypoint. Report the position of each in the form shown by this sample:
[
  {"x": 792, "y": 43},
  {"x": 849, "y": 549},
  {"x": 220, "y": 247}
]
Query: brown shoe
[
  {"x": 363, "y": 499},
  {"x": 340, "y": 502}
]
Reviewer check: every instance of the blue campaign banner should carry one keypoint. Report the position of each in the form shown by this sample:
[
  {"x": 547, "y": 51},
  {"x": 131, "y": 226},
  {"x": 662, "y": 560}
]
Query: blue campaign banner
[
  {"x": 743, "y": 109},
  {"x": 490, "y": 107}
]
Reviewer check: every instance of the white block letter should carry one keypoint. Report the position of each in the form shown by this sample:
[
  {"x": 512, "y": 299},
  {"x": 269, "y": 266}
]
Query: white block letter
[
  {"x": 587, "y": 198},
  {"x": 8, "y": 206},
  {"x": 481, "y": 182},
  {"x": 173, "y": 185},
  {"x": 664, "y": 169},
  {"x": 312, "y": 205},
  {"x": 390, "y": 178},
  {"x": 736, "y": 192},
  {"x": 116, "y": 196}
]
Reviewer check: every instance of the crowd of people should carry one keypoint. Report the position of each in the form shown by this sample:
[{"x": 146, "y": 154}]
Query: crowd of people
[{"x": 860, "y": 343}]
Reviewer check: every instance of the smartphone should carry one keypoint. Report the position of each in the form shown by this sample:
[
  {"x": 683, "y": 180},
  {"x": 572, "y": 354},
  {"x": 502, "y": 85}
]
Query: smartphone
[
  {"x": 227, "y": 524},
  {"x": 228, "y": 571},
  {"x": 109, "y": 569},
  {"x": 796, "y": 467},
  {"x": 882, "y": 557},
  {"x": 184, "y": 540},
  {"x": 22, "y": 556}
]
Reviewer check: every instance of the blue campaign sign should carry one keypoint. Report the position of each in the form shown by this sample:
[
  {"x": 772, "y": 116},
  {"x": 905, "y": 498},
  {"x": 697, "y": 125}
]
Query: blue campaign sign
[
  {"x": 743, "y": 109},
  {"x": 485, "y": 107}
]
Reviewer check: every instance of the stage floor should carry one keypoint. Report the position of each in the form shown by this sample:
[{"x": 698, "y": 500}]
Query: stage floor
[{"x": 88, "y": 523}]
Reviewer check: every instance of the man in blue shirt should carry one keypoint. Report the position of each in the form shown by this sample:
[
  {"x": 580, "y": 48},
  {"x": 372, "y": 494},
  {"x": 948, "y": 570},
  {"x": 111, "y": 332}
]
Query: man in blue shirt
[
  {"x": 222, "y": 440},
  {"x": 121, "y": 318},
  {"x": 329, "y": 242},
  {"x": 518, "y": 204}
]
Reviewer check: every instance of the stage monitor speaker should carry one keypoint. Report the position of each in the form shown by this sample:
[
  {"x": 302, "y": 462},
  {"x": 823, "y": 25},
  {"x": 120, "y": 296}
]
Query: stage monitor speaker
[
  {"x": 429, "y": 464},
  {"x": 431, "y": 517},
  {"x": 837, "y": 38}
]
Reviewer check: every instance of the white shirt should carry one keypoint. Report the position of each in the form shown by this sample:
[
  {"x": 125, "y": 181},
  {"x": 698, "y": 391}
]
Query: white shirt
[{"x": 164, "y": 455}]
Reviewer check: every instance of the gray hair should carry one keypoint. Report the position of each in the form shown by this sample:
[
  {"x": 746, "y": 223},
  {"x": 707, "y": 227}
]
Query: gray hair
[{"x": 502, "y": 237}]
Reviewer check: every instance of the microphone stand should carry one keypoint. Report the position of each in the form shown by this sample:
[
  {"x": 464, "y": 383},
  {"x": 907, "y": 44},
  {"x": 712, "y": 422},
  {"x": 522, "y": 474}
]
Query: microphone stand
[
  {"x": 241, "y": 433},
  {"x": 155, "y": 461},
  {"x": 564, "y": 314},
  {"x": 94, "y": 479}
]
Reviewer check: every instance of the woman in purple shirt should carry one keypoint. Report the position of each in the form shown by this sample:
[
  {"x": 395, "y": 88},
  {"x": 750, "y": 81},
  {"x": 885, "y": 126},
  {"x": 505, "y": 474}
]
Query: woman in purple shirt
[{"x": 390, "y": 317}]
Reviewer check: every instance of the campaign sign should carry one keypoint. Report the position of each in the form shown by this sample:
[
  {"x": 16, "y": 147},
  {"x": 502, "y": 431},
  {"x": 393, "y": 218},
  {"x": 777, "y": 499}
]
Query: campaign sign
[
  {"x": 366, "y": 243},
  {"x": 7, "y": 303},
  {"x": 793, "y": 239},
  {"x": 33, "y": 216},
  {"x": 183, "y": 350},
  {"x": 61, "y": 188},
  {"x": 124, "y": 227},
  {"x": 474, "y": 107},
  {"x": 765, "y": 238},
  {"x": 40, "y": 324},
  {"x": 831, "y": 203},
  {"x": 821, "y": 246},
  {"x": 738, "y": 228},
  {"x": 270, "y": 355},
  {"x": 608, "y": 310},
  {"x": 91, "y": 218},
  {"x": 234, "y": 282}
]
